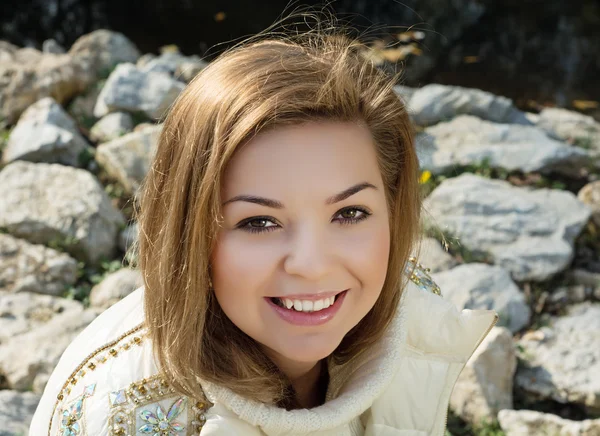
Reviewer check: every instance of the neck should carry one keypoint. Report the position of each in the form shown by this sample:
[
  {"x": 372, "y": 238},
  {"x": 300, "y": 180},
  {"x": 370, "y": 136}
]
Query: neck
[{"x": 307, "y": 380}]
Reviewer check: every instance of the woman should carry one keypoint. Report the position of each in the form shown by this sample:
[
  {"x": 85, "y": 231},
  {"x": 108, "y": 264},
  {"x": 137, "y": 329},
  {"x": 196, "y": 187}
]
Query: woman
[{"x": 279, "y": 297}]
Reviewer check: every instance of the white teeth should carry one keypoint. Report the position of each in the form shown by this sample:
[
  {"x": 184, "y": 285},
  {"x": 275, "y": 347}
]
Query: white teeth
[{"x": 308, "y": 306}]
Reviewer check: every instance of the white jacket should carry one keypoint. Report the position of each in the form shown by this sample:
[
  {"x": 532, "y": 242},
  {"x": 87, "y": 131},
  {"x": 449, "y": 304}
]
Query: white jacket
[{"x": 107, "y": 382}]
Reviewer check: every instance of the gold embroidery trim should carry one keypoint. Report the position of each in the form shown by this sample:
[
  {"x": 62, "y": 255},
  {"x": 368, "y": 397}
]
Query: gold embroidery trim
[
  {"x": 420, "y": 276},
  {"x": 80, "y": 370}
]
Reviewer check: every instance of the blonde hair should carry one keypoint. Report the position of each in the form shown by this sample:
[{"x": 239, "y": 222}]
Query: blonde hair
[{"x": 266, "y": 82}]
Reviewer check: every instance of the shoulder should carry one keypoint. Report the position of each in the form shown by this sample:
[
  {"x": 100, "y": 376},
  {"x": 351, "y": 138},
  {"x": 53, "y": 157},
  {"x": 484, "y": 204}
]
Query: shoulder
[{"x": 107, "y": 382}]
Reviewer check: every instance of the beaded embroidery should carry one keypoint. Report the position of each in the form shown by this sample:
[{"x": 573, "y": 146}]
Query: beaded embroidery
[
  {"x": 151, "y": 406},
  {"x": 419, "y": 275},
  {"x": 71, "y": 423}
]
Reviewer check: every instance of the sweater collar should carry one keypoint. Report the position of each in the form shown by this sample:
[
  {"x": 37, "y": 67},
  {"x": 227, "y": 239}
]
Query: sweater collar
[{"x": 424, "y": 322}]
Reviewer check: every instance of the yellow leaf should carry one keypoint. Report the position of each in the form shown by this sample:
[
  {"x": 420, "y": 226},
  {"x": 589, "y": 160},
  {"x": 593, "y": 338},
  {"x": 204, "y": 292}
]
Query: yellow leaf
[
  {"x": 220, "y": 16},
  {"x": 471, "y": 59},
  {"x": 585, "y": 104}
]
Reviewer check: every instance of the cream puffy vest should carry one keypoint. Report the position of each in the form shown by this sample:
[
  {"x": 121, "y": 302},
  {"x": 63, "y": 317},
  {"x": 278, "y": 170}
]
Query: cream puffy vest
[{"x": 107, "y": 382}]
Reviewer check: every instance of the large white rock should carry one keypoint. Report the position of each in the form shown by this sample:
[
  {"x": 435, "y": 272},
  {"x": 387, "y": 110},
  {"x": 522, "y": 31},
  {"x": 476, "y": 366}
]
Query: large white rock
[
  {"x": 26, "y": 80},
  {"x": 563, "y": 359},
  {"x": 528, "y": 232},
  {"x": 34, "y": 268},
  {"x": 16, "y": 412},
  {"x": 25, "y": 357},
  {"x": 533, "y": 423},
  {"x": 571, "y": 126},
  {"x": 101, "y": 50},
  {"x": 49, "y": 203},
  {"x": 434, "y": 103},
  {"x": 111, "y": 127},
  {"x": 128, "y": 158},
  {"x": 485, "y": 385},
  {"x": 482, "y": 286},
  {"x": 45, "y": 133},
  {"x": 20, "y": 313},
  {"x": 468, "y": 140},
  {"x": 115, "y": 287},
  {"x": 131, "y": 90}
]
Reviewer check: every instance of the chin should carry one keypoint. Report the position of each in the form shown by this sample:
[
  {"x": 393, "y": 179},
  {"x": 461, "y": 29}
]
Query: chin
[{"x": 307, "y": 350}]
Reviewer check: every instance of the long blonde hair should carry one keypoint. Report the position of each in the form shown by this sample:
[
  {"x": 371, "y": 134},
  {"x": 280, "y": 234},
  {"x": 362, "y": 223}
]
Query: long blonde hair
[{"x": 261, "y": 84}]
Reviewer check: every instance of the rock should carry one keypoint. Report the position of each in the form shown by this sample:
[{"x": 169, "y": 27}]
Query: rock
[
  {"x": 433, "y": 256},
  {"x": 16, "y": 412},
  {"x": 468, "y": 140},
  {"x": 563, "y": 359},
  {"x": 45, "y": 133},
  {"x": 34, "y": 268},
  {"x": 25, "y": 357},
  {"x": 51, "y": 46},
  {"x": 7, "y": 51},
  {"x": 482, "y": 286},
  {"x": 533, "y": 423},
  {"x": 434, "y": 103},
  {"x": 189, "y": 69},
  {"x": 23, "y": 312},
  {"x": 50, "y": 75},
  {"x": 112, "y": 126},
  {"x": 102, "y": 50},
  {"x": 405, "y": 93},
  {"x": 590, "y": 195},
  {"x": 115, "y": 287},
  {"x": 144, "y": 59},
  {"x": 485, "y": 385},
  {"x": 528, "y": 232},
  {"x": 81, "y": 108},
  {"x": 128, "y": 237},
  {"x": 128, "y": 158},
  {"x": 571, "y": 126},
  {"x": 54, "y": 204},
  {"x": 131, "y": 90}
]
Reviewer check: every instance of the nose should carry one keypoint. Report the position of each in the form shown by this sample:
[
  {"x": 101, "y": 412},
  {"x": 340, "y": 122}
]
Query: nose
[{"x": 309, "y": 255}]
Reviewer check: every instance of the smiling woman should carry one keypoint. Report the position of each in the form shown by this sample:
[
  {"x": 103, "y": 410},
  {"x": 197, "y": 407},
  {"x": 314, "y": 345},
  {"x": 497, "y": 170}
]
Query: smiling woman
[{"x": 279, "y": 297}]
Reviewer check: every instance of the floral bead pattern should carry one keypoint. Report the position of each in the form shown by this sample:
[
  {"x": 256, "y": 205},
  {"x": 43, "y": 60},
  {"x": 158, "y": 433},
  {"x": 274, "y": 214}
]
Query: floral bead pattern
[
  {"x": 419, "y": 275},
  {"x": 71, "y": 423},
  {"x": 161, "y": 424}
]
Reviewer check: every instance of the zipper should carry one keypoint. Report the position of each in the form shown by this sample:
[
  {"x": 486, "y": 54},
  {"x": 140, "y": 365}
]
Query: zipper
[{"x": 496, "y": 317}]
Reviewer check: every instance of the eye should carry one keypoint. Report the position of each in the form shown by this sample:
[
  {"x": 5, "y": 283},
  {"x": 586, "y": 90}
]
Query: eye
[
  {"x": 258, "y": 224},
  {"x": 352, "y": 215}
]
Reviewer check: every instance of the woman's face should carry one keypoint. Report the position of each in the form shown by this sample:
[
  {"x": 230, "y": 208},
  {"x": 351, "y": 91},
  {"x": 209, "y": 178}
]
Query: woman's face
[{"x": 305, "y": 224}]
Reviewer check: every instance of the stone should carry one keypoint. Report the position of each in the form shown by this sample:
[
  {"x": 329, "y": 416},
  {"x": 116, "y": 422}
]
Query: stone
[
  {"x": 590, "y": 195},
  {"x": 128, "y": 158},
  {"x": 485, "y": 385},
  {"x": 468, "y": 140},
  {"x": 563, "y": 358},
  {"x": 102, "y": 50},
  {"x": 48, "y": 75},
  {"x": 115, "y": 287},
  {"x": 528, "y": 232},
  {"x": 574, "y": 127},
  {"x": 16, "y": 412},
  {"x": 34, "y": 268},
  {"x": 405, "y": 93},
  {"x": 189, "y": 69},
  {"x": 433, "y": 256},
  {"x": 51, "y": 46},
  {"x": 434, "y": 103},
  {"x": 111, "y": 126},
  {"x": 128, "y": 237},
  {"x": 482, "y": 286},
  {"x": 23, "y": 312},
  {"x": 54, "y": 204},
  {"x": 34, "y": 354},
  {"x": 45, "y": 133},
  {"x": 131, "y": 90},
  {"x": 533, "y": 423}
]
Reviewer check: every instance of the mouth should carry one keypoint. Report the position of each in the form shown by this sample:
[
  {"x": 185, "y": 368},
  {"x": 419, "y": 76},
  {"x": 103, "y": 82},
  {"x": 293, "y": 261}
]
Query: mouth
[{"x": 307, "y": 312}]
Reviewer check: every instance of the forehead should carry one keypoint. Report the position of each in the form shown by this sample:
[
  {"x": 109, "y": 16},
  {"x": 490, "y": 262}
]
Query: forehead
[{"x": 321, "y": 157}]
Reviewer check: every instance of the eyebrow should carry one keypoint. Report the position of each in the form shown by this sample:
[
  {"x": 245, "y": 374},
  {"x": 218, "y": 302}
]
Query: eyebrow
[{"x": 279, "y": 205}]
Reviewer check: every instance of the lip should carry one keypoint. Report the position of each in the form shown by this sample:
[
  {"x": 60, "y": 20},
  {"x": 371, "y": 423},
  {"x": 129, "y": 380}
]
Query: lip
[
  {"x": 309, "y": 318},
  {"x": 310, "y": 297}
]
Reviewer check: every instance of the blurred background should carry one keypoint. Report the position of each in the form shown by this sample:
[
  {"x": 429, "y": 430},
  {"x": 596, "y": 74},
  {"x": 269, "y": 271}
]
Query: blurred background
[{"x": 505, "y": 99}]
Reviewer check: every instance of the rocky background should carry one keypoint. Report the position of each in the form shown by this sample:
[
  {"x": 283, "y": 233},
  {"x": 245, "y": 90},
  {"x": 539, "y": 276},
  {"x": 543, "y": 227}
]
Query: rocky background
[{"x": 512, "y": 218}]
